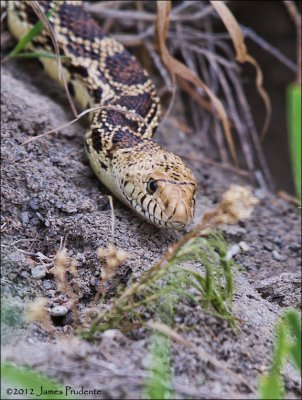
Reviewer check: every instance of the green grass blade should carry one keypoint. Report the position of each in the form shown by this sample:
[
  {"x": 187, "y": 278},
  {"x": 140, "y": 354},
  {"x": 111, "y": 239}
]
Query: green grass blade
[
  {"x": 294, "y": 127},
  {"x": 158, "y": 384},
  {"x": 24, "y": 378},
  {"x": 294, "y": 326},
  {"x": 28, "y": 37},
  {"x": 271, "y": 387},
  {"x": 281, "y": 348}
]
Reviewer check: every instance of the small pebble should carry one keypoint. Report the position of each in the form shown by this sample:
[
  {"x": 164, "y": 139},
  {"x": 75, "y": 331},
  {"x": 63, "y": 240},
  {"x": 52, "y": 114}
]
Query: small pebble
[
  {"x": 47, "y": 285},
  {"x": 276, "y": 256},
  {"x": 59, "y": 311},
  {"x": 35, "y": 221},
  {"x": 232, "y": 252},
  {"x": 268, "y": 246},
  {"x": 277, "y": 240},
  {"x": 295, "y": 247},
  {"x": 34, "y": 203},
  {"x": 260, "y": 193},
  {"x": 244, "y": 246},
  {"x": 24, "y": 216},
  {"x": 59, "y": 204},
  {"x": 38, "y": 272}
]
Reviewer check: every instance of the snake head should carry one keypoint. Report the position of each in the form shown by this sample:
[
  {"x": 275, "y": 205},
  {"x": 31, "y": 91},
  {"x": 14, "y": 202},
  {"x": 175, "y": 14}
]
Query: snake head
[{"x": 160, "y": 187}]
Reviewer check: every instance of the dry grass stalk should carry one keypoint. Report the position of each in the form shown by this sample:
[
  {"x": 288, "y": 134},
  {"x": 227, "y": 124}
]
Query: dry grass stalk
[
  {"x": 36, "y": 312},
  {"x": 242, "y": 54},
  {"x": 83, "y": 113},
  {"x": 63, "y": 264},
  {"x": 177, "y": 68}
]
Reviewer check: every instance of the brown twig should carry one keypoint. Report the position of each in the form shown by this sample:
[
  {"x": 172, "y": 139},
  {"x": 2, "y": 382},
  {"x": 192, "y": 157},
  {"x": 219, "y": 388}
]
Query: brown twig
[
  {"x": 88, "y": 110},
  {"x": 288, "y": 197},
  {"x": 207, "y": 161},
  {"x": 252, "y": 129},
  {"x": 112, "y": 218},
  {"x": 243, "y": 136},
  {"x": 131, "y": 15},
  {"x": 248, "y": 32}
]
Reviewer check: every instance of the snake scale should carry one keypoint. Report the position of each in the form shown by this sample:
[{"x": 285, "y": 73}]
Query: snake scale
[{"x": 100, "y": 71}]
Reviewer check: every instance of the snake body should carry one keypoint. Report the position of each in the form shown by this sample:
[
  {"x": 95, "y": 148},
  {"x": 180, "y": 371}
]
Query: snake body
[{"x": 100, "y": 71}]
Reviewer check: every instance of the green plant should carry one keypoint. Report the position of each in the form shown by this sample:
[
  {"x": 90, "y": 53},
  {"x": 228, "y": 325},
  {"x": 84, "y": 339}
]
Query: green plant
[
  {"x": 158, "y": 383},
  {"x": 287, "y": 346},
  {"x": 294, "y": 127},
  {"x": 172, "y": 281},
  {"x": 27, "y": 38},
  {"x": 28, "y": 384}
]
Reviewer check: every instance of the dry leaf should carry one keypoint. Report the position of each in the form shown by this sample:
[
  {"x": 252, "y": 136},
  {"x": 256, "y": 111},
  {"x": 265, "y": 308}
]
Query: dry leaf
[
  {"x": 243, "y": 56},
  {"x": 177, "y": 68}
]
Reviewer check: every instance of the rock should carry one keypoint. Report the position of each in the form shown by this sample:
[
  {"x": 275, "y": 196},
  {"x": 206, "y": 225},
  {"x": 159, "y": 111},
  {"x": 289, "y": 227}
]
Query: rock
[
  {"x": 232, "y": 251},
  {"x": 59, "y": 311},
  {"x": 244, "y": 246},
  {"x": 276, "y": 256},
  {"x": 38, "y": 272},
  {"x": 295, "y": 247},
  {"x": 34, "y": 203},
  {"x": 24, "y": 216},
  {"x": 268, "y": 246},
  {"x": 47, "y": 284}
]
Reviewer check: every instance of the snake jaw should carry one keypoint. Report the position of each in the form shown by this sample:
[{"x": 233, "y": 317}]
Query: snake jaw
[
  {"x": 171, "y": 202},
  {"x": 180, "y": 204}
]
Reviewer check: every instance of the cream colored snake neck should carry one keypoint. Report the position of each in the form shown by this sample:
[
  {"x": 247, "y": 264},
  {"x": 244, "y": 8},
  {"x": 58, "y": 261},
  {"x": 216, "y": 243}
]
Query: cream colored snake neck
[{"x": 99, "y": 71}]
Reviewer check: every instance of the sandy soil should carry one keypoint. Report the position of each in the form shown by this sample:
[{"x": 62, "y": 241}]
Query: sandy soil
[{"x": 49, "y": 192}]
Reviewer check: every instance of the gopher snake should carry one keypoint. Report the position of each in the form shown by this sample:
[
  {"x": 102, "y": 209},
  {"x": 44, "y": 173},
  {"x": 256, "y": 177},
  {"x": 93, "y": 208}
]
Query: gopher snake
[{"x": 99, "y": 71}]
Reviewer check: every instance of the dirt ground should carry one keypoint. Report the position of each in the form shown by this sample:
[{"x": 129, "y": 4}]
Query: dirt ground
[{"x": 49, "y": 192}]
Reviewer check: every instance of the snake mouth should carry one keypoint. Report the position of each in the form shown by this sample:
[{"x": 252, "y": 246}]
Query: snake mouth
[{"x": 158, "y": 222}]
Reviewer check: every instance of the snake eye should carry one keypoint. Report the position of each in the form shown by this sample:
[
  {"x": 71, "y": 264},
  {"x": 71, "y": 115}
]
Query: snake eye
[{"x": 151, "y": 186}]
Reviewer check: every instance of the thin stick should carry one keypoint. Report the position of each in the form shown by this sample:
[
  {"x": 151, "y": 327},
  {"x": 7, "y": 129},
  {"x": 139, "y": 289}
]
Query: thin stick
[
  {"x": 146, "y": 16},
  {"x": 159, "y": 65},
  {"x": 207, "y": 161},
  {"x": 88, "y": 110},
  {"x": 242, "y": 131},
  {"x": 112, "y": 218},
  {"x": 253, "y": 131},
  {"x": 268, "y": 47}
]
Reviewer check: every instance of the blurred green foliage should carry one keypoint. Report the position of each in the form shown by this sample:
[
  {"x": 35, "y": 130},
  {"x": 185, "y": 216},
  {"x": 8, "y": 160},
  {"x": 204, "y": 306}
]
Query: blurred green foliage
[
  {"x": 287, "y": 346},
  {"x": 294, "y": 126},
  {"x": 28, "y": 384}
]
